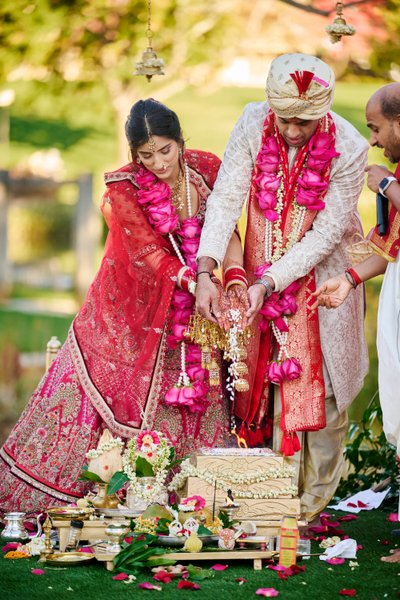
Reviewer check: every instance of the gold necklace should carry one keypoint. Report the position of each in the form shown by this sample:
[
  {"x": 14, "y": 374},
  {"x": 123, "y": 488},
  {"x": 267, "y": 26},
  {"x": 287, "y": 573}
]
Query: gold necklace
[{"x": 176, "y": 192}]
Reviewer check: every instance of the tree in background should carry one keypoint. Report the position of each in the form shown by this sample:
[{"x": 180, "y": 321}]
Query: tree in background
[
  {"x": 96, "y": 42},
  {"x": 385, "y": 56}
]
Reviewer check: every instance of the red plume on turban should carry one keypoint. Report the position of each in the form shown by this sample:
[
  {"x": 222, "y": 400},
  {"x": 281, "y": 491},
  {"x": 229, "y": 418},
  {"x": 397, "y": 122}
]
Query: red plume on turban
[{"x": 302, "y": 79}]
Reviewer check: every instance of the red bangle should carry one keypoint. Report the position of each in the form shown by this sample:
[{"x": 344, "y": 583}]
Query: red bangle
[
  {"x": 355, "y": 276},
  {"x": 235, "y": 273},
  {"x": 188, "y": 276}
]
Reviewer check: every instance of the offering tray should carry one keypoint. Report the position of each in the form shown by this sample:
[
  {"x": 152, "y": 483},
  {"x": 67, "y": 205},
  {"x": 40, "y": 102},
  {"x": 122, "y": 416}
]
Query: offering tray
[
  {"x": 66, "y": 513},
  {"x": 126, "y": 513},
  {"x": 254, "y": 541},
  {"x": 69, "y": 559}
]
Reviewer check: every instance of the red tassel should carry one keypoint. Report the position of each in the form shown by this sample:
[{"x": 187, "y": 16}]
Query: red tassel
[
  {"x": 302, "y": 79},
  {"x": 256, "y": 437},
  {"x": 290, "y": 444}
]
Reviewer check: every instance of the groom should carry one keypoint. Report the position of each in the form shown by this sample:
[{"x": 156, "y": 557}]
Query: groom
[{"x": 301, "y": 168}]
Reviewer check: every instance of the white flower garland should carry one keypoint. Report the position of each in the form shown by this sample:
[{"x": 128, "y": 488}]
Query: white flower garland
[
  {"x": 105, "y": 447},
  {"x": 159, "y": 461},
  {"x": 225, "y": 482}
]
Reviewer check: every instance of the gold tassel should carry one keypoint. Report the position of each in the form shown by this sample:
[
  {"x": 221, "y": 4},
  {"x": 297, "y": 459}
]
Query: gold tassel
[{"x": 214, "y": 377}]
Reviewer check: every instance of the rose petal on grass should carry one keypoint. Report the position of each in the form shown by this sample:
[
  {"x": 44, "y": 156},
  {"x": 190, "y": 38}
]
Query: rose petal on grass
[
  {"x": 240, "y": 580},
  {"x": 37, "y": 571},
  {"x": 163, "y": 576},
  {"x": 184, "y": 584},
  {"x": 351, "y": 592},
  {"x": 121, "y": 576},
  {"x": 11, "y": 546},
  {"x": 348, "y": 518},
  {"x": 219, "y": 567},
  {"x": 392, "y": 518},
  {"x": 385, "y": 542},
  {"x": 335, "y": 560},
  {"x": 267, "y": 592},
  {"x": 149, "y": 586}
]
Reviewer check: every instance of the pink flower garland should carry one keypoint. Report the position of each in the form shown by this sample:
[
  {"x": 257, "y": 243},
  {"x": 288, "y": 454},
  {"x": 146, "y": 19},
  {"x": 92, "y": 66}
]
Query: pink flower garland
[
  {"x": 310, "y": 187},
  {"x": 155, "y": 196}
]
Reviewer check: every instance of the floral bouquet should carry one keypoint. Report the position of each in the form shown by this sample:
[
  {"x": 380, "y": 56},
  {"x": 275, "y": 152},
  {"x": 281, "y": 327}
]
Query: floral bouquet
[{"x": 146, "y": 463}]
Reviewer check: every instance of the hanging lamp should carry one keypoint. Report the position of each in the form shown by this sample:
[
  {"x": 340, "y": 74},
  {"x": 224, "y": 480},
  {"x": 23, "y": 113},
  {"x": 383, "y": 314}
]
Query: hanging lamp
[
  {"x": 150, "y": 64},
  {"x": 339, "y": 26}
]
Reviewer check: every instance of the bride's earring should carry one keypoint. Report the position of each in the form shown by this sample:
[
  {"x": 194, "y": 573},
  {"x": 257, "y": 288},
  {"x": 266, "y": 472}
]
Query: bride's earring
[{"x": 139, "y": 160}]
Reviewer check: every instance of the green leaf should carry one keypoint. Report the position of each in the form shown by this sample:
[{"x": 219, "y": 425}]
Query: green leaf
[
  {"x": 197, "y": 573},
  {"x": 117, "y": 481},
  {"x": 143, "y": 468},
  {"x": 203, "y": 530},
  {"x": 89, "y": 476}
]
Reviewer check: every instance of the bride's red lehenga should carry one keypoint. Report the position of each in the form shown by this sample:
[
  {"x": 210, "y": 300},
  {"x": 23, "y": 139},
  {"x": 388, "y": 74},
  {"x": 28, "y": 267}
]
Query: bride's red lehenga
[{"x": 115, "y": 366}]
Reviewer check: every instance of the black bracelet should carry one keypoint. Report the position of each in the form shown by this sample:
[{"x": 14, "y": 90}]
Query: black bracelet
[
  {"x": 203, "y": 272},
  {"x": 350, "y": 279}
]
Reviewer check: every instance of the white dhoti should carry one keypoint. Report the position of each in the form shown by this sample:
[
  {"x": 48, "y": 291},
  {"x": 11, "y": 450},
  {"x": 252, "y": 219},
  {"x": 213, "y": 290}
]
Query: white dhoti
[{"x": 388, "y": 344}]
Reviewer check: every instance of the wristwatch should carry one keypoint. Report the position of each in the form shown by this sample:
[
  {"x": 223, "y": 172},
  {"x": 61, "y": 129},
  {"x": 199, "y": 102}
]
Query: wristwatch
[
  {"x": 384, "y": 184},
  {"x": 268, "y": 287}
]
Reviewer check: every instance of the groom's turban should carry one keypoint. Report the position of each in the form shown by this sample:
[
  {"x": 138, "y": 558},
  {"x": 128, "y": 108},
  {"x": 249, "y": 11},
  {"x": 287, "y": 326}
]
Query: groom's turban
[{"x": 299, "y": 85}]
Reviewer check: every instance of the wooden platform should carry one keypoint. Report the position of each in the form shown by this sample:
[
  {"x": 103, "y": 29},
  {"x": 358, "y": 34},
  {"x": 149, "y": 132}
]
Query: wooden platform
[{"x": 256, "y": 556}]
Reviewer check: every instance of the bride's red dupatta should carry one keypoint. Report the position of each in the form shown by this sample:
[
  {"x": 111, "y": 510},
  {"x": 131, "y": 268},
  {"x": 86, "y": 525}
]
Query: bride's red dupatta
[{"x": 118, "y": 332}]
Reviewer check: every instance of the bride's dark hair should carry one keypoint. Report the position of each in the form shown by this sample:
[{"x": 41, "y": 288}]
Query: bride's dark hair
[{"x": 148, "y": 118}]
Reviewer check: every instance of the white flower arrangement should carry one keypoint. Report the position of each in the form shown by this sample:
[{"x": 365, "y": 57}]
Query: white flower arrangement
[
  {"x": 105, "y": 447},
  {"x": 225, "y": 482},
  {"x": 154, "y": 449}
]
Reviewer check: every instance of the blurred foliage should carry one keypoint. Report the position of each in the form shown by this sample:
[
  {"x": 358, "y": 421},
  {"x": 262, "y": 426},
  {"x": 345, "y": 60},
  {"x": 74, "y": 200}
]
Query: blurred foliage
[
  {"x": 39, "y": 229},
  {"x": 369, "y": 457},
  {"x": 385, "y": 55}
]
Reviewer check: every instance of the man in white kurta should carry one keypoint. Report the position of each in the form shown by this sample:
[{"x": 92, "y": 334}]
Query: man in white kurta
[{"x": 322, "y": 248}]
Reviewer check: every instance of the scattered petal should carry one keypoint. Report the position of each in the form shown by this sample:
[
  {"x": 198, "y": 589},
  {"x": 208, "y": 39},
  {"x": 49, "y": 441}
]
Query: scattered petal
[
  {"x": 121, "y": 576},
  {"x": 348, "y": 518},
  {"x": 241, "y": 580},
  {"x": 11, "y": 546},
  {"x": 267, "y": 592},
  {"x": 149, "y": 586},
  {"x": 385, "y": 542},
  {"x": 37, "y": 571},
  {"x": 189, "y": 585},
  {"x": 393, "y": 518},
  {"x": 335, "y": 560},
  {"x": 351, "y": 592},
  {"x": 163, "y": 576},
  {"x": 69, "y": 589},
  {"x": 353, "y": 564},
  {"x": 219, "y": 567}
]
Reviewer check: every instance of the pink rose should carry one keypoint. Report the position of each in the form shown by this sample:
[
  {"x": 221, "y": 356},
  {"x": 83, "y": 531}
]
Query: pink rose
[
  {"x": 193, "y": 353},
  {"x": 268, "y": 181},
  {"x": 323, "y": 146},
  {"x": 145, "y": 177},
  {"x": 271, "y": 309},
  {"x": 173, "y": 341},
  {"x": 266, "y": 200},
  {"x": 190, "y": 246},
  {"x": 311, "y": 179},
  {"x": 157, "y": 212},
  {"x": 196, "y": 372},
  {"x": 271, "y": 145},
  {"x": 182, "y": 299},
  {"x": 166, "y": 225},
  {"x": 271, "y": 215},
  {"x": 182, "y": 315},
  {"x": 191, "y": 262},
  {"x": 274, "y": 372},
  {"x": 291, "y": 369},
  {"x": 268, "y": 163},
  {"x": 190, "y": 228},
  {"x": 178, "y": 330},
  {"x": 316, "y": 164}
]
